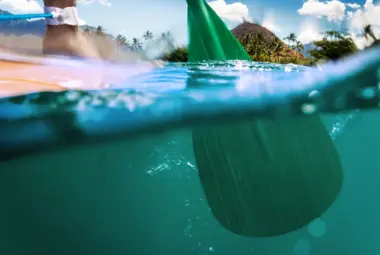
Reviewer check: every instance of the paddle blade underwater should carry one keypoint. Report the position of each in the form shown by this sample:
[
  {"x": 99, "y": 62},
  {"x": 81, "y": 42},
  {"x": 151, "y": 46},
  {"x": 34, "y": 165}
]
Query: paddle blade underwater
[{"x": 261, "y": 178}]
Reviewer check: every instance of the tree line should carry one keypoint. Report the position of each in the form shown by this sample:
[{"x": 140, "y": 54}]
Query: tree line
[
  {"x": 135, "y": 44},
  {"x": 332, "y": 46}
]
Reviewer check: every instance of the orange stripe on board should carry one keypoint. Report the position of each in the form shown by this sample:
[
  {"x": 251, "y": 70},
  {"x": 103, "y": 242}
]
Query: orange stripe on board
[{"x": 39, "y": 83}]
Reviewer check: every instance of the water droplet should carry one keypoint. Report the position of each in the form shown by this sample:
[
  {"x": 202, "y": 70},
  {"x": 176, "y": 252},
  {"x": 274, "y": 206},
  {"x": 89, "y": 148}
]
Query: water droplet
[
  {"x": 302, "y": 247},
  {"x": 211, "y": 248},
  {"x": 308, "y": 108},
  {"x": 317, "y": 228}
]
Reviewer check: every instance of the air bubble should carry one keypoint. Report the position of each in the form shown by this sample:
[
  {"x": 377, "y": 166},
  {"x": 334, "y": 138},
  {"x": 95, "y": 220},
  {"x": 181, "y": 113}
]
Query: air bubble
[
  {"x": 308, "y": 108},
  {"x": 302, "y": 247},
  {"x": 367, "y": 93},
  {"x": 314, "y": 93},
  {"x": 317, "y": 228}
]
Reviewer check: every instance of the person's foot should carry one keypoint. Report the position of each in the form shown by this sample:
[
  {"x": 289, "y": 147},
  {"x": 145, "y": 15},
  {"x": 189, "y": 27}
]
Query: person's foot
[{"x": 67, "y": 40}]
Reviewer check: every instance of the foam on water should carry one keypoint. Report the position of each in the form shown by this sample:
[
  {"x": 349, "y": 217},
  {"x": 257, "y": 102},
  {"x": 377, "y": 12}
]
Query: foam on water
[
  {"x": 178, "y": 95},
  {"x": 190, "y": 90},
  {"x": 183, "y": 94}
]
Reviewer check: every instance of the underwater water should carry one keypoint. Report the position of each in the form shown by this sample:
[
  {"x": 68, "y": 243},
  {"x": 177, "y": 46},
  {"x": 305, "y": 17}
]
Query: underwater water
[{"x": 141, "y": 194}]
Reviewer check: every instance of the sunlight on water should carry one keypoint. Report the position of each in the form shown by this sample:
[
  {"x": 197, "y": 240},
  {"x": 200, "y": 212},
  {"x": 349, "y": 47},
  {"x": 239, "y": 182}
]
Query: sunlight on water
[
  {"x": 146, "y": 89},
  {"x": 177, "y": 83}
]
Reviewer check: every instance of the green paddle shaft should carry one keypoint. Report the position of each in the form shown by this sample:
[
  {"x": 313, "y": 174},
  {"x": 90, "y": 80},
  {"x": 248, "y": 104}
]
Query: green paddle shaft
[{"x": 212, "y": 40}]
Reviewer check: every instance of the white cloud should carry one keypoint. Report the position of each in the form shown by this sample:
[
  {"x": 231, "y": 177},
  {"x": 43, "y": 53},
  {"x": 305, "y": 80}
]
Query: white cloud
[
  {"x": 233, "y": 13},
  {"x": 332, "y": 10},
  {"x": 335, "y": 10},
  {"x": 269, "y": 22},
  {"x": 368, "y": 4},
  {"x": 353, "y": 6},
  {"x": 102, "y": 2},
  {"x": 360, "y": 41},
  {"x": 21, "y": 6},
  {"x": 309, "y": 31},
  {"x": 349, "y": 15},
  {"x": 370, "y": 14}
]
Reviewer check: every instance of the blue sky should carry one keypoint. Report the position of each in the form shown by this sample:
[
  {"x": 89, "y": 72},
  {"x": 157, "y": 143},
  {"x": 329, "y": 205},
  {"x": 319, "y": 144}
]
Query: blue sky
[{"x": 304, "y": 17}]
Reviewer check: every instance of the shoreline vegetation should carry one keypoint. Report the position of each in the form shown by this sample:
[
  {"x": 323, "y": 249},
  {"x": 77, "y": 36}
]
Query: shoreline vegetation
[{"x": 262, "y": 45}]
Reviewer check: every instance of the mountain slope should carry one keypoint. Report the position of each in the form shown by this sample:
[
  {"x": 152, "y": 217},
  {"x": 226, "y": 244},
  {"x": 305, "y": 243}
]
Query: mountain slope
[
  {"x": 255, "y": 29},
  {"x": 307, "y": 47},
  {"x": 252, "y": 28}
]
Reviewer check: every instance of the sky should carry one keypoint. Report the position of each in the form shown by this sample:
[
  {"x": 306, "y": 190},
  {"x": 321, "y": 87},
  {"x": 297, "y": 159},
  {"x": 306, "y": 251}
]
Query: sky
[{"x": 306, "y": 18}]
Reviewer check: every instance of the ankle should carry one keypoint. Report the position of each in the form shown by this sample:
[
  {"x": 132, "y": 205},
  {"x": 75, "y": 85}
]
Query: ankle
[{"x": 56, "y": 31}]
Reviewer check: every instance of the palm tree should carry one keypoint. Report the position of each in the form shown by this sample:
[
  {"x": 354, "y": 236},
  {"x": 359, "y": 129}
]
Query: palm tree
[
  {"x": 262, "y": 51},
  {"x": 87, "y": 31},
  {"x": 333, "y": 35},
  {"x": 333, "y": 49},
  {"x": 122, "y": 41},
  {"x": 299, "y": 47},
  {"x": 255, "y": 45},
  {"x": 328, "y": 35},
  {"x": 167, "y": 37},
  {"x": 99, "y": 31},
  {"x": 245, "y": 39},
  {"x": 169, "y": 34},
  {"x": 273, "y": 44},
  {"x": 277, "y": 47},
  {"x": 136, "y": 44},
  {"x": 148, "y": 35},
  {"x": 368, "y": 32},
  {"x": 291, "y": 38},
  {"x": 344, "y": 32}
]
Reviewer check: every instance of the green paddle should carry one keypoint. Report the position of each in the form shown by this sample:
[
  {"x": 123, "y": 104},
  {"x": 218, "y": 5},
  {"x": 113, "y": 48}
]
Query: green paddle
[{"x": 261, "y": 177}]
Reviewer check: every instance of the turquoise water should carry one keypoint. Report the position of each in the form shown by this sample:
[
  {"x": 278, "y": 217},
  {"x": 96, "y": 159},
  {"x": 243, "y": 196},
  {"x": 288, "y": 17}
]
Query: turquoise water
[{"x": 164, "y": 202}]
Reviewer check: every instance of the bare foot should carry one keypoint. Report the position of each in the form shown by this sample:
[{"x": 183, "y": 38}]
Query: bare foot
[{"x": 67, "y": 40}]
